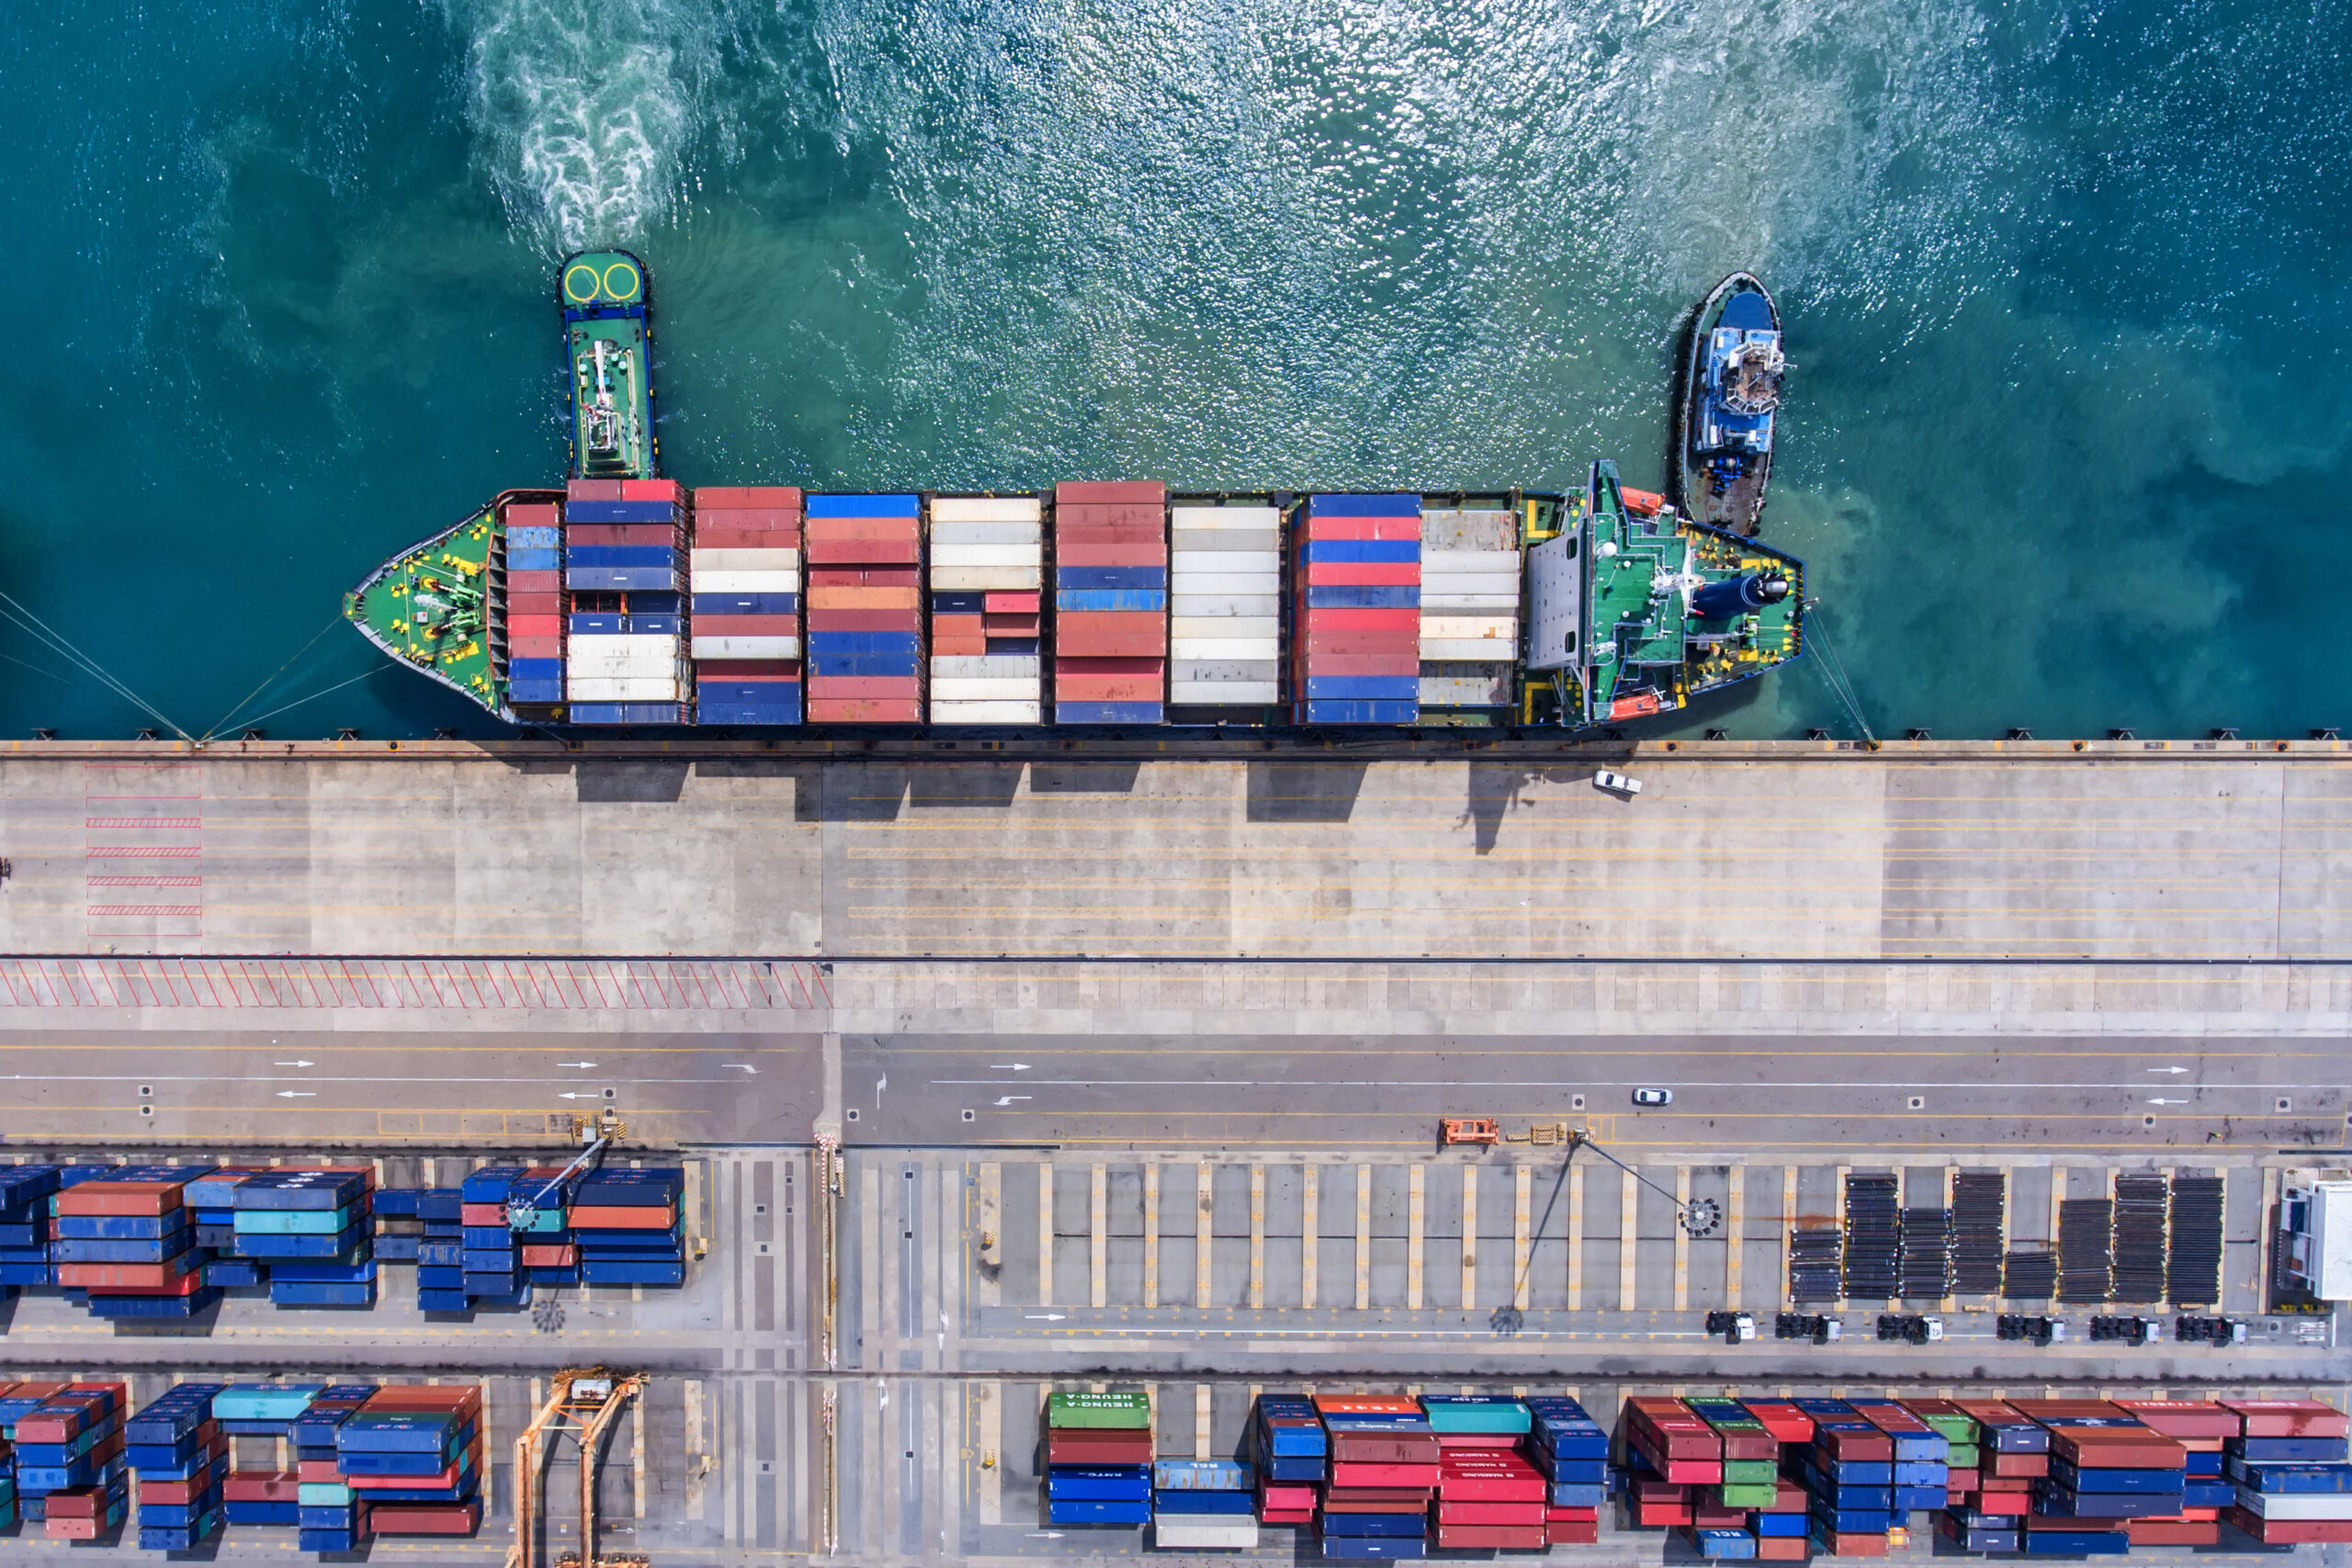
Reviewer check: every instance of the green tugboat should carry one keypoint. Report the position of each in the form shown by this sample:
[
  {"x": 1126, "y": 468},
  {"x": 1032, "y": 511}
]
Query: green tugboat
[{"x": 606, "y": 341}]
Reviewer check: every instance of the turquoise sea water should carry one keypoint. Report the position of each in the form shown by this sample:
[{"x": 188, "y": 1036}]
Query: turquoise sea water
[{"x": 2067, "y": 288}]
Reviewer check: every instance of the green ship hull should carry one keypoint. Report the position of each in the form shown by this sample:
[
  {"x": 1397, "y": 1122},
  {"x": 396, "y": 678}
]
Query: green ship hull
[{"x": 607, "y": 342}]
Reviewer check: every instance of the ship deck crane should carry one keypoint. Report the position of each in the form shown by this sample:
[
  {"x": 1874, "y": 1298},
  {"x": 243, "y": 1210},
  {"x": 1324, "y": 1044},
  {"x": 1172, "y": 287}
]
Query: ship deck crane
[{"x": 583, "y": 1403}]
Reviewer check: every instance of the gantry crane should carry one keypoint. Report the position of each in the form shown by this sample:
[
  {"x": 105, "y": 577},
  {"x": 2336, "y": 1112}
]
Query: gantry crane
[{"x": 583, "y": 1404}]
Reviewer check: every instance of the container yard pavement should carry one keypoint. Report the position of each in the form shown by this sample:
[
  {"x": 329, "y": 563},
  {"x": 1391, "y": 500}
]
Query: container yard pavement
[{"x": 1781, "y": 851}]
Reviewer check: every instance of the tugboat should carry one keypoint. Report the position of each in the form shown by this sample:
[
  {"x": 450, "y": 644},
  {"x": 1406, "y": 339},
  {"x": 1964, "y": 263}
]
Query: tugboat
[
  {"x": 604, "y": 340},
  {"x": 1731, "y": 391}
]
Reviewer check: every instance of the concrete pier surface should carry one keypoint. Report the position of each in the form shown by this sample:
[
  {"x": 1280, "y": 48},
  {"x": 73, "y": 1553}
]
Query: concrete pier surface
[{"x": 1731, "y": 851}]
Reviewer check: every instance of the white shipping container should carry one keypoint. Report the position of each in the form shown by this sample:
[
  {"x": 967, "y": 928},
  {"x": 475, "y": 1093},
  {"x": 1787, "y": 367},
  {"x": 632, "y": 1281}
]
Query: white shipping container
[
  {"x": 1460, "y": 628},
  {"x": 988, "y": 667},
  {"x": 991, "y": 579},
  {"x": 1460, "y": 691},
  {"x": 1245, "y": 562},
  {"x": 610, "y": 644},
  {"x": 1028, "y": 533},
  {"x": 1224, "y": 517},
  {"x": 2296, "y": 1504},
  {"x": 1470, "y": 563},
  {"x": 1183, "y": 625},
  {"x": 621, "y": 689},
  {"x": 984, "y": 555},
  {"x": 1260, "y": 541},
  {"x": 1471, "y": 650},
  {"x": 746, "y": 647},
  {"x": 986, "y": 508},
  {"x": 745, "y": 582},
  {"x": 1453, "y": 603},
  {"x": 1244, "y": 607},
  {"x": 1205, "y": 1532},
  {"x": 1230, "y": 668},
  {"x": 1500, "y": 582},
  {"x": 1483, "y": 530},
  {"x": 1224, "y": 647},
  {"x": 1219, "y": 693},
  {"x": 1183, "y": 580},
  {"x": 961, "y": 689},
  {"x": 744, "y": 560},
  {"x": 985, "y": 712}
]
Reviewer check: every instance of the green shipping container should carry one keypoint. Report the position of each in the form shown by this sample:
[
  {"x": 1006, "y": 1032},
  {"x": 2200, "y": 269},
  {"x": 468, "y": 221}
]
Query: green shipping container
[
  {"x": 1748, "y": 1495},
  {"x": 1751, "y": 1473},
  {"x": 1088, "y": 1409},
  {"x": 1963, "y": 1456}
]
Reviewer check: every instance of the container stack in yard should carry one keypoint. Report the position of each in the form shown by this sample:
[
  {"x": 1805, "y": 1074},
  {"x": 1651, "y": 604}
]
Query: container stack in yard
[
  {"x": 630, "y": 1227},
  {"x": 70, "y": 1469},
  {"x": 746, "y": 605},
  {"x": 313, "y": 1229},
  {"x": 1469, "y": 609},
  {"x": 988, "y": 579},
  {"x": 1202, "y": 1504},
  {"x": 1225, "y": 608},
  {"x": 491, "y": 1257},
  {"x": 180, "y": 1456},
  {"x": 534, "y": 604},
  {"x": 2288, "y": 1462},
  {"x": 1294, "y": 1457},
  {"x": 864, "y": 621},
  {"x": 623, "y": 567},
  {"x": 1386, "y": 1467},
  {"x": 1111, "y": 602},
  {"x": 1098, "y": 1458},
  {"x": 1355, "y": 631}
]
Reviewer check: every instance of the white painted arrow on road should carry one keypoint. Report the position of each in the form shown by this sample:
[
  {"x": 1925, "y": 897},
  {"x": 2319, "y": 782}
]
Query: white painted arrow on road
[
  {"x": 1009, "y": 1099},
  {"x": 2155, "y": 1100},
  {"x": 568, "y": 1095},
  {"x": 2167, "y": 1069},
  {"x": 575, "y": 1064},
  {"x": 745, "y": 1066},
  {"x": 1044, "y": 1317},
  {"x": 1010, "y": 1067},
  {"x": 293, "y": 1063},
  {"x": 296, "y": 1094}
]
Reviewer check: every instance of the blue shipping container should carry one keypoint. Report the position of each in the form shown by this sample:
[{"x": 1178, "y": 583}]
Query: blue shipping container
[
  {"x": 747, "y": 603},
  {"x": 1365, "y": 505},
  {"x": 1123, "y": 599},
  {"x": 620, "y": 511},
  {"x": 1109, "y": 713},
  {"x": 861, "y": 506}
]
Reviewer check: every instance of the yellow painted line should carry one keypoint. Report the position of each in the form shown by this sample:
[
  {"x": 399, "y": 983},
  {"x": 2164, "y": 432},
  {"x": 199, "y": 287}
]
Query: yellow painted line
[
  {"x": 1522, "y": 1214},
  {"x": 1204, "y": 1234},
  {"x": 1256, "y": 1235},
  {"x": 1681, "y": 1239},
  {"x": 1098, "y": 1238},
  {"x": 1363, "y": 1237},
  {"x": 1151, "y": 1234},
  {"x": 1414, "y": 1219},
  {"x": 1735, "y": 1237},
  {"x": 1310, "y": 1233},
  {"x": 1627, "y": 1241}
]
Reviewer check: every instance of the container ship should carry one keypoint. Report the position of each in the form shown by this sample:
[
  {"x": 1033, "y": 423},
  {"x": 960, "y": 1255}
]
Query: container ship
[{"x": 623, "y": 598}]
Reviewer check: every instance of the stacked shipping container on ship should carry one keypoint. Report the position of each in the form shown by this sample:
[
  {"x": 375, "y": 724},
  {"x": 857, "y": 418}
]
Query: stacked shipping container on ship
[
  {"x": 623, "y": 567},
  {"x": 1111, "y": 602},
  {"x": 986, "y": 585},
  {"x": 534, "y": 604},
  {"x": 746, "y": 605},
  {"x": 1224, "y": 606},
  {"x": 865, "y": 620},
  {"x": 1469, "y": 610},
  {"x": 1356, "y": 631}
]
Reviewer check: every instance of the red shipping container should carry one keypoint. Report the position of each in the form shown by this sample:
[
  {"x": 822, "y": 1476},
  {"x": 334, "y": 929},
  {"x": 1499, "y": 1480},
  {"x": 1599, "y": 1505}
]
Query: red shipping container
[
  {"x": 863, "y": 711},
  {"x": 550, "y": 1254},
  {"x": 633, "y": 534},
  {"x": 2172, "y": 1532},
  {"x": 1279, "y": 1493},
  {"x": 1780, "y": 1547},
  {"x": 2020, "y": 1466},
  {"x": 533, "y": 514},
  {"x": 426, "y": 1518},
  {"x": 1364, "y": 574},
  {"x": 1587, "y": 1532},
  {"x": 1316, "y": 529},
  {"x": 2287, "y": 1532},
  {"x": 534, "y": 625},
  {"x": 863, "y": 620},
  {"x": 535, "y": 648},
  {"x": 652, "y": 490},
  {"x": 593, "y": 490},
  {"x": 1011, "y": 626},
  {"x": 746, "y": 626},
  {"x": 261, "y": 1486},
  {"x": 2003, "y": 1503},
  {"x": 744, "y": 498},
  {"x": 1404, "y": 618},
  {"x": 907, "y": 688},
  {"x": 1138, "y": 666},
  {"x": 1010, "y": 604},
  {"x": 1086, "y": 491},
  {"x": 1378, "y": 1499},
  {"x": 943, "y": 647},
  {"x": 1136, "y": 553},
  {"x": 120, "y": 1198},
  {"x": 865, "y": 576},
  {"x": 1708, "y": 1518},
  {"x": 2286, "y": 1418},
  {"x": 1364, "y": 664},
  {"x": 860, "y": 530},
  {"x": 615, "y": 1217},
  {"x": 1097, "y": 1445},
  {"x": 129, "y": 1279},
  {"x": 1132, "y": 526},
  {"x": 1385, "y": 1448},
  {"x": 1477, "y": 1440},
  {"x": 481, "y": 1214},
  {"x": 880, "y": 552},
  {"x": 1475, "y": 1512},
  {"x": 534, "y": 582},
  {"x": 956, "y": 623},
  {"x": 830, "y": 598},
  {"x": 1650, "y": 1516},
  {"x": 176, "y": 1494},
  {"x": 1111, "y": 634},
  {"x": 58, "y": 1527},
  {"x": 710, "y": 534},
  {"x": 1489, "y": 1538},
  {"x": 1852, "y": 1544},
  {"x": 535, "y": 602},
  {"x": 1555, "y": 1512},
  {"x": 321, "y": 1470},
  {"x": 1106, "y": 689},
  {"x": 749, "y": 668},
  {"x": 1416, "y": 1476},
  {"x": 1783, "y": 1420}
]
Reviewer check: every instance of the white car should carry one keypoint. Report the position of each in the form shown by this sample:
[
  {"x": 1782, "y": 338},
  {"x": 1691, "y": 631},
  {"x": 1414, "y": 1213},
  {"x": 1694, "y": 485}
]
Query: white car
[
  {"x": 1653, "y": 1097},
  {"x": 1615, "y": 783}
]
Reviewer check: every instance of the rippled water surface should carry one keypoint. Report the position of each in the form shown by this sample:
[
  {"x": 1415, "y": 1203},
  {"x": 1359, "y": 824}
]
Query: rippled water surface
[{"x": 2065, "y": 285}]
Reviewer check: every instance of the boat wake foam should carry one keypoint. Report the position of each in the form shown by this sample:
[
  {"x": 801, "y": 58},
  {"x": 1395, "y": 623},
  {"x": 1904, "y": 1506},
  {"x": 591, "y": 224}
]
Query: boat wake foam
[{"x": 585, "y": 107}]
